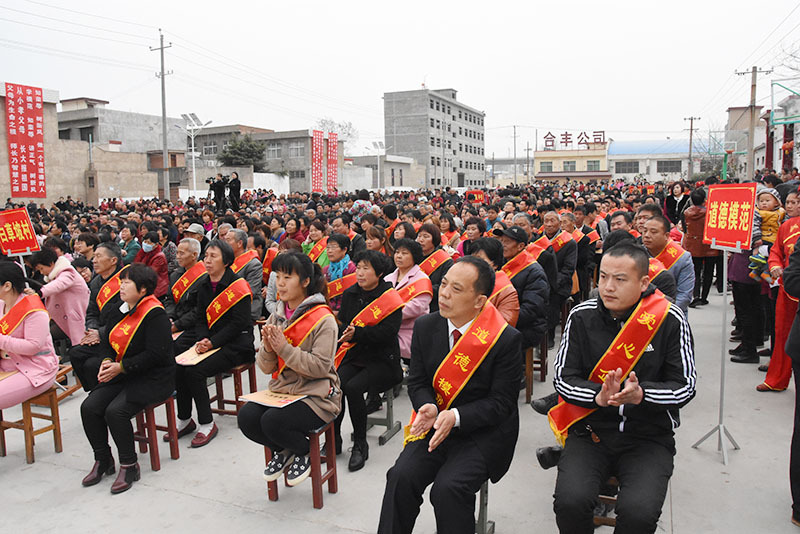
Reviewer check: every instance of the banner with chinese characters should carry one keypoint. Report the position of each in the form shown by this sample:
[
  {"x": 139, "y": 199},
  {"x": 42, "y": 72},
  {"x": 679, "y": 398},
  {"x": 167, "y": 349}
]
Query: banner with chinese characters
[
  {"x": 729, "y": 215},
  {"x": 16, "y": 232},
  {"x": 25, "y": 132},
  {"x": 333, "y": 161},
  {"x": 316, "y": 161},
  {"x": 573, "y": 140}
]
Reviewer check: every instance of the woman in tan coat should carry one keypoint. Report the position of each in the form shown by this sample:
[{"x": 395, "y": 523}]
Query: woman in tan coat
[{"x": 298, "y": 348}]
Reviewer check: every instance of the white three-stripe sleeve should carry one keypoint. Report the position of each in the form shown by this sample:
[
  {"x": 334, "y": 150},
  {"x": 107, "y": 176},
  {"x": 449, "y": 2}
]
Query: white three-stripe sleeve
[
  {"x": 572, "y": 392},
  {"x": 668, "y": 396}
]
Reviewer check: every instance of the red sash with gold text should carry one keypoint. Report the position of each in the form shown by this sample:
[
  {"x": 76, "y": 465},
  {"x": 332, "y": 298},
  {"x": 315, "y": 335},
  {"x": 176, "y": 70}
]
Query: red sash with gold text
[
  {"x": 269, "y": 256},
  {"x": 243, "y": 259},
  {"x": 517, "y": 264},
  {"x": 634, "y": 233},
  {"x": 562, "y": 239},
  {"x": 501, "y": 281},
  {"x": 186, "y": 280},
  {"x": 298, "y": 330},
  {"x": 655, "y": 268},
  {"x": 337, "y": 287},
  {"x": 434, "y": 261},
  {"x": 226, "y": 300},
  {"x": 374, "y": 312},
  {"x": 624, "y": 352},
  {"x": 316, "y": 250},
  {"x": 109, "y": 289},
  {"x": 670, "y": 254},
  {"x": 18, "y": 312},
  {"x": 415, "y": 289},
  {"x": 538, "y": 246},
  {"x": 390, "y": 230},
  {"x": 121, "y": 335}
]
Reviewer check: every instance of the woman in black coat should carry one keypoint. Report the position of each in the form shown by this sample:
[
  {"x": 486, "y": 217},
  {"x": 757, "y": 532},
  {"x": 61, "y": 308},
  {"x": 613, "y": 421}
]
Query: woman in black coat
[
  {"x": 675, "y": 203},
  {"x": 142, "y": 373},
  {"x": 373, "y": 364}
]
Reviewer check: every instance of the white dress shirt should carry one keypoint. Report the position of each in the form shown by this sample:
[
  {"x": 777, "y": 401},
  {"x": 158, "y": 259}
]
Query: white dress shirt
[{"x": 450, "y": 329}]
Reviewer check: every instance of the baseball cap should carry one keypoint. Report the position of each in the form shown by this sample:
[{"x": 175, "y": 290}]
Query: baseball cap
[
  {"x": 196, "y": 228},
  {"x": 514, "y": 232}
]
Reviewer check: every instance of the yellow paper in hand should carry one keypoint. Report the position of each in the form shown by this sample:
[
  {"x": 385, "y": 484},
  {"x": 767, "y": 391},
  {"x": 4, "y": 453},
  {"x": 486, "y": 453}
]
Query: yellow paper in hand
[{"x": 192, "y": 357}]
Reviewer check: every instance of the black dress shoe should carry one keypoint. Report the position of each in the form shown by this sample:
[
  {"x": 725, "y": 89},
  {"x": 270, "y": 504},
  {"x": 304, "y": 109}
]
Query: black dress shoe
[
  {"x": 99, "y": 469},
  {"x": 359, "y": 455},
  {"x": 765, "y": 352},
  {"x": 695, "y": 303},
  {"x": 764, "y": 367},
  {"x": 128, "y": 474},
  {"x": 549, "y": 456},
  {"x": 739, "y": 349},
  {"x": 704, "y": 302},
  {"x": 749, "y": 356},
  {"x": 544, "y": 404},
  {"x": 736, "y": 335}
]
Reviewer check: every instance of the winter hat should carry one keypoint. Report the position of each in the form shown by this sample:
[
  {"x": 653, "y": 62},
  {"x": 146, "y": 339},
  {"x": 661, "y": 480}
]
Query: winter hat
[{"x": 770, "y": 191}]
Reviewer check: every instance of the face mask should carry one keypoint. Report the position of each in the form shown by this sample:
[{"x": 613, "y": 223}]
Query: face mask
[{"x": 147, "y": 247}]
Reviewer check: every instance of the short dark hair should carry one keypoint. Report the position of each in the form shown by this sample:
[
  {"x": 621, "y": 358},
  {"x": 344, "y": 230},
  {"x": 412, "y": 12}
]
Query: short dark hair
[
  {"x": 224, "y": 249},
  {"x": 477, "y": 221},
  {"x": 295, "y": 261},
  {"x": 151, "y": 236},
  {"x": 258, "y": 240},
  {"x": 634, "y": 251},
  {"x": 380, "y": 262},
  {"x": 408, "y": 228},
  {"x": 654, "y": 209},
  {"x": 412, "y": 246},
  {"x": 112, "y": 249},
  {"x": 390, "y": 211},
  {"x": 340, "y": 239},
  {"x": 56, "y": 242},
  {"x": 492, "y": 247},
  {"x": 663, "y": 221},
  {"x": 89, "y": 239},
  {"x": 46, "y": 256},
  {"x": 434, "y": 231},
  {"x": 621, "y": 213},
  {"x": 617, "y": 236},
  {"x": 698, "y": 196},
  {"x": 484, "y": 283},
  {"x": 12, "y": 272},
  {"x": 143, "y": 277}
]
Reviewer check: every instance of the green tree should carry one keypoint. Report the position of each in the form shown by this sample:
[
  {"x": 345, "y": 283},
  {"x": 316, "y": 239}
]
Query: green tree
[{"x": 243, "y": 151}]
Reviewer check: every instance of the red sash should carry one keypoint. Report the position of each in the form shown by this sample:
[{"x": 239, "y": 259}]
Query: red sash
[
  {"x": 447, "y": 237},
  {"x": 269, "y": 256},
  {"x": 517, "y": 264},
  {"x": 434, "y": 261},
  {"x": 577, "y": 235},
  {"x": 223, "y": 302},
  {"x": 109, "y": 289},
  {"x": 374, "y": 312},
  {"x": 670, "y": 254},
  {"x": 562, "y": 239},
  {"x": 390, "y": 230},
  {"x": 624, "y": 352},
  {"x": 337, "y": 287},
  {"x": 463, "y": 360},
  {"x": 243, "y": 259},
  {"x": 538, "y": 246},
  {"x": 121, "y": 335},
  {"x": 27, "y": 305},
  {"x": 501, "y": 281},
  {"x": 655, "y": 268},
  {"x": 298, "y": 330},
  {"x": 415, "y": 289},
  {"x": 634, "y": 233},
  {"x": 593, "y": 236},
  {"x": 186, "y": 280},
  {"x": 316, "y": 250}
]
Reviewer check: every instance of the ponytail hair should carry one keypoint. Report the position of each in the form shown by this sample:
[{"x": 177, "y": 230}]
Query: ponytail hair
[{"x": 293, "y": 261}]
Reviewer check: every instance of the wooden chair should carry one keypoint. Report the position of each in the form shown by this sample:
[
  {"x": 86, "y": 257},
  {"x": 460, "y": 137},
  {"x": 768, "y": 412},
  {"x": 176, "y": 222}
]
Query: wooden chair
[
  {"x": 219, "y": 397},
  {"x": 146, "y": 432},
  {"x": 63, "y": 374},
  {"x": 484, "y": 525},
  {"x": 609, "y": 500},
  {"x": 387, "y": 421},
  {"x": 48, "y": 399},
  {"x": 532, "y": 365},
  {"x": 318, "y": 478}
]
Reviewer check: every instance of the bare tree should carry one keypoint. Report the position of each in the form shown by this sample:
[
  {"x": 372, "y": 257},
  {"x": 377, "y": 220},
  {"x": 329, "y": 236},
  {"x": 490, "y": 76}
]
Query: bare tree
[{"x": 348, "y": 134}]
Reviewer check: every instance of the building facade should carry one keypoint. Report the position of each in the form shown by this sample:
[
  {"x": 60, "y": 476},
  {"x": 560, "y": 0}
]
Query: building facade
[
  {"x": 582, "y": 164},
  {"x": 211, "y": 141},
  {"x": 656, "y": 161},
  {"x": 441, "y": 133},
  {"x": 395, "y": 171}
]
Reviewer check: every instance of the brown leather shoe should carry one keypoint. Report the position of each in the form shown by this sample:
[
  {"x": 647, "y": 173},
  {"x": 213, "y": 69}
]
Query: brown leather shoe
[
  {"x": 201, "y": 439},
  {"x": 188, "y": 429},
  {"x": 128, "y": 474},
  {"x": 98, "y": 470}
]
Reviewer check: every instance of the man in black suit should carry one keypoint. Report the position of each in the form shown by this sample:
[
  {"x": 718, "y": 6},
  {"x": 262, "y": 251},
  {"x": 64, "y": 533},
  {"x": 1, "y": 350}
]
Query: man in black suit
[{"x": 474, "y": 439}]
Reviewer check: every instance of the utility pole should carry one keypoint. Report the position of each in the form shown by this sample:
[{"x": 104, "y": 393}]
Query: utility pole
[
  {"x": 515, "y": 155},
  {"x": 691, "y": 134},
  {"x": 528, "y": 161},
  {"x": 754, "y": 72},
  {"x": 163, "y": 185}
]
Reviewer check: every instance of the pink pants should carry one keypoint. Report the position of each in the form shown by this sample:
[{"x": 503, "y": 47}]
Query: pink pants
[{"x": 16, "y": 389}]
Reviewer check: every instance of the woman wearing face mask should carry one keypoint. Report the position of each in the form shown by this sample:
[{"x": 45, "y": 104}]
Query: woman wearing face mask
[{"x": 152, "y": 256}]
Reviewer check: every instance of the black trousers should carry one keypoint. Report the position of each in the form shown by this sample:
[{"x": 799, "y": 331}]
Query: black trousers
[
  {"x": 794, "y": 458},
  {"x": 703, "y": 276},
  {"x": 86, "y": 360},
  {"x": 107, "y": 408},
  {"x": 190, "y": 380},
  {"x": 555, "y": 304},
  {"x": 643, "y": 468},
  {"x": 749, "y": 313},
  {"x": 279, "y": 428},
  {"x": 457, "y": 470},
  {"x": 356, "y": 381}
]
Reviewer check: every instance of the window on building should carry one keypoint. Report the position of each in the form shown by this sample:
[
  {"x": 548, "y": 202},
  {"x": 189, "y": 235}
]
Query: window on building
[
  {"x": 433, "y": 160},
  {"x": 460, "y": 147},
  {"x": 437, "y": 106},
  {"x": 392, "y": 177},
  {"x": 431, "y": 104},
  {"x": 438, "y": 124},
  {"x": 438, "y": 142},
  {"x": 88, "y": 132},
  {"x": 210, "y": 149},
  {"x": 448, "y": 126},
  {"x": 297, "y": 174},
  {"x": 546, "y": 166},
  {"x": 459, "y": 113},
  {"x": 626, "y": 167},
  {"x": 448, "y": 110},
  {"x": 459, "y": 130},
  {"x": 433, "y": 123},
  {"x": 438, "y": 162},
  {"x": 225, "y": 145},
  {"x": 593, "y": 165},
  {"x": 668, "y": 165},
  {"x": 297, "y": 149},
  {"x": 449, "y": 145},
  {"x": 273, "y": 150},
  {"x": 433, "y": 141},
  {"x": 569, "y": 166},
  {"x": 63, "y": 134},
  {"x": 401, "y": 176},
  {"x": 461, "y": 164}
]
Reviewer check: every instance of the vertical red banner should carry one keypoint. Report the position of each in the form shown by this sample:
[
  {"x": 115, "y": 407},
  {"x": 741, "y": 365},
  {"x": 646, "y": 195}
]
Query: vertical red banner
[
  {"x": 25, "y": 132},
  {"x": 333, "y": 161},
  {"x": 316, "y": 161}
]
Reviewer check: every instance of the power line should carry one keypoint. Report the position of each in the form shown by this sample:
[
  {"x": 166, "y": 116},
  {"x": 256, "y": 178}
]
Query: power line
[
  {"x": 770, "y": 34},
  {"x": 70, "y": 33},
  {"x": 18, "y": 45},
  {"x": 37, "y": 15},
  {"x": 91, "y": 14}
]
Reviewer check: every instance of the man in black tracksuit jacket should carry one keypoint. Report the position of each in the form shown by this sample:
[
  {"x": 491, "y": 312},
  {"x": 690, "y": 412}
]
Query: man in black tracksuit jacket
[{"x": 630, "y": 435}]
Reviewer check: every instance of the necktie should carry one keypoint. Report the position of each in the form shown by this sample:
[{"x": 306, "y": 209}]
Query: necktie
[{"x": 456, "y": 335}]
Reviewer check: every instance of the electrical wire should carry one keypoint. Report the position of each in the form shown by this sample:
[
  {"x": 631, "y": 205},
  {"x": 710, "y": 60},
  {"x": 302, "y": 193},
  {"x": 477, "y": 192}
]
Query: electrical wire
[
  {"x": 18, "y": 45},
  {"x": 39, "y": 16},
  {"x": 69, "y": 32},
  {"x": 52, "y": 6}
]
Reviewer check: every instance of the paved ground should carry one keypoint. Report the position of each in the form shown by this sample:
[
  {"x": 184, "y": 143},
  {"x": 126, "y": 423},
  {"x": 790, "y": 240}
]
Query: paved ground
[{"x": 219, "y": 487}]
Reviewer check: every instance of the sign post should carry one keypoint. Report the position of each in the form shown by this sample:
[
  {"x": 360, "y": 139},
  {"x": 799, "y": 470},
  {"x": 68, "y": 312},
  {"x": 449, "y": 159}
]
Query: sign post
[{"x": 728, "y": 227}]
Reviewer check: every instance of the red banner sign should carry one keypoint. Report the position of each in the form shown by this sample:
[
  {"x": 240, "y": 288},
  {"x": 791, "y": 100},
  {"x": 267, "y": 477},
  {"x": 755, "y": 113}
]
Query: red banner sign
[
  {"x": 478, "y": 196},
  {"x": 316, "y": 162},
  {"x": 25, "y": 132},
  {"x": 729, "y": 215},
  {"x": 16, "y": 232},
  {"x": 333, "y": 161}
]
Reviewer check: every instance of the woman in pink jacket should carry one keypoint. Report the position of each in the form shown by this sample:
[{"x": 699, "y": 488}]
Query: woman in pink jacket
[
  {"x": 407, "y": 257},
  {"x": 65, "y": 294},
  {"x": 26, "y": 348}
]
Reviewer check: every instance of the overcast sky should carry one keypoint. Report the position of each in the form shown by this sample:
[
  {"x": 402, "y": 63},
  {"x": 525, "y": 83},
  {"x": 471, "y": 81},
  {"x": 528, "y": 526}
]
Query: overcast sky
[{"x": 632, "y": 69}]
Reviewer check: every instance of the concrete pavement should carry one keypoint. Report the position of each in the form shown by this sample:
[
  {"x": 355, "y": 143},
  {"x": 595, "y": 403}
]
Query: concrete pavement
[{"x": 219, "y": 487}]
